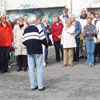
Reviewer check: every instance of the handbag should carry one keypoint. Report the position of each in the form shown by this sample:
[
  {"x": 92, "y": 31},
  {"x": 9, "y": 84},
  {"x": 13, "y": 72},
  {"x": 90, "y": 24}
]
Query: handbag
[
  {"x": 49, "y": 42},
  {"x": 11, "y": 49},
  {"x": 81, "y": 36}
]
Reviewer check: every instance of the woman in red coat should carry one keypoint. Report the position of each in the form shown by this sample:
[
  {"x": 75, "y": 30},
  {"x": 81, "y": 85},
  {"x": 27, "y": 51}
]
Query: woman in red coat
[
  {"x": 6, "y": 39},
  {"x": 56, "y": 29}
]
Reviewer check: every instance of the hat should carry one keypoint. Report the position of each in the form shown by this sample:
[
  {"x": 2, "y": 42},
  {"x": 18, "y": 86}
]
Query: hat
[{"x": 65, "y": 10}]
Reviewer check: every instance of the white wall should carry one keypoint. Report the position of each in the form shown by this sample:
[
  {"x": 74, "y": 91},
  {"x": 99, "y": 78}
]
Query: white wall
[
  {"x": 2, "y": 7},
  {"x": 77, "y": 5},
  {"x": 27, "y": 4}
]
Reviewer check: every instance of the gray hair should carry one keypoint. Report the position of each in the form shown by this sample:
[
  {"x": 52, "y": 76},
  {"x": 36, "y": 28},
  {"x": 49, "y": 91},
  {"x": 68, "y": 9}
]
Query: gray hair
[
  {"x": 21, "y": 18},
  {"x": 46, "y": 17},
  {"x": 32, "y": 19}
]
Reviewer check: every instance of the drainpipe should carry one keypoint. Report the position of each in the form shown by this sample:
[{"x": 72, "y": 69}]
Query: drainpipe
[{"x": 3, "y": 7}]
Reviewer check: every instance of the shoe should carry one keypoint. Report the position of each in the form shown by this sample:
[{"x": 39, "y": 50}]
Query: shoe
[
  {"x": 77, "y": 60},
  {"x": 2, "y": 72},
  {"x": 85, "y": 57},
  {"x": 19, "y": 70},
  {"x": 35, "y": 88},
  {"x": 25, "y": 69},
  {"x": 89, "y": 65},
  {"x": 71, "y": 65},
  {"x": 58, "y": 60},
  {"x": 95, "y": 60},
  {"x": 81, "y": 57},
  {"x": 7, "y": 71},
  {"x": 9, "y": 67},
  {"x": 42, "y": 89},
  {"x": 64, "y": 65},
  {"x": 44, "y": 64},
  {"x": 92, "y": 65}
]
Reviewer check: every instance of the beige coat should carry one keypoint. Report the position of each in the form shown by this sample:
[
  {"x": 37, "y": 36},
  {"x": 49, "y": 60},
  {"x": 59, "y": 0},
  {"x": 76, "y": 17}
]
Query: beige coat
[
  {"x": 68, "y": 38},
  {"x": 20, "y": 49}
]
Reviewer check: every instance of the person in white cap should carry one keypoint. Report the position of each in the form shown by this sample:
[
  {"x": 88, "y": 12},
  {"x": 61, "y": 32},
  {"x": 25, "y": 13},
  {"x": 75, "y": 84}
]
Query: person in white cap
[{"x": 64, "y": 16}]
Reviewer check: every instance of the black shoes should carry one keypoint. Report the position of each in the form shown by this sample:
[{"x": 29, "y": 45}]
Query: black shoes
[
  {"x": 58, "y": 60},
  {"x": 81, "y": 57},
  {"x": 25, "y": 69},
  {"x": 6, "y": 71},
  {"x": 42, "y": 89},
  {"x": 38, "y": 89},
  {"x": 19, "y": 70},
  {"x": 35, "y": 88},
  {"x": 2, "y": 72}
]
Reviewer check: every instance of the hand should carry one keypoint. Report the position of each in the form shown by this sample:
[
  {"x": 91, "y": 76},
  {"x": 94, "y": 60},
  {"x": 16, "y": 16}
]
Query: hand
[
  {"x": 48, "y": 31},
  {"x": 74, "y": 35},
  {"x": 59, "y": 36}
]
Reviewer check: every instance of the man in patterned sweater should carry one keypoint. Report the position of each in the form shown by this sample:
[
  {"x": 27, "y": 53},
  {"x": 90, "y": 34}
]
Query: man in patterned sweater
[{"x": 33, "y": 38}]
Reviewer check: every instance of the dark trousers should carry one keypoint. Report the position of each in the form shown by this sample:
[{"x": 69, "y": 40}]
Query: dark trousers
[
  {"x": 97, "y": 50},
  {"x": 46, "y": 54},
  {"x": 4, "y": 52},
  {"x": 58, "y": 48},
  {"x": 22, "y": 61},
  {"x": 76, "y": 50}
]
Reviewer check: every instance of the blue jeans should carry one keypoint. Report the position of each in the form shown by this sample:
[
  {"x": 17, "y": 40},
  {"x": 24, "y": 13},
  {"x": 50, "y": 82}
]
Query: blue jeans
[
  {"x": 36, "y": 60},
  {"x": 4, "y": 52},
  {"x": 90, "y": 47},
  {"x": 12, "y": 58}
]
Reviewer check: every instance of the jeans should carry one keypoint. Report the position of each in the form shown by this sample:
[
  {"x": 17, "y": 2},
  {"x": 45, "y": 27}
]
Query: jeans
[
  {"x": 76, "y": 50},
  {"x": 90, "y": 47},
  {"x": 36, "y": 60},
  {"x": 4, "y": 51},
  {"x": 58, "y": 47},
  {"x": 12, "y": 58}
]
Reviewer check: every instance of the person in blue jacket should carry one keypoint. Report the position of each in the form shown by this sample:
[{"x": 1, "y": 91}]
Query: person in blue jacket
[
  {"x": 77, "y": 36},
  {"x": 40, "y": 24}
]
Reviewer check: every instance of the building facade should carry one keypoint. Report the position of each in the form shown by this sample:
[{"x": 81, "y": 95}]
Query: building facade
[{"x": 16, "y": 8}]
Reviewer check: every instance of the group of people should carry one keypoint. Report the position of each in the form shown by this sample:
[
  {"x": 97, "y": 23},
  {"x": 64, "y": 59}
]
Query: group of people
[
  {"x": 77, "y": 39},
  {"x": 29, "y": 39}
]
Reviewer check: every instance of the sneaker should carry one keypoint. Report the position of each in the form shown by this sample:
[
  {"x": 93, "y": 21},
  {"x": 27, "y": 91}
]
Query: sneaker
[{"x": 44, "y": 64}]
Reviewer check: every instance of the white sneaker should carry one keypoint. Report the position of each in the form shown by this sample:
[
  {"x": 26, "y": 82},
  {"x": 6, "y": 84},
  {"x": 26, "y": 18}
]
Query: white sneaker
[{"x": 44, "y": 64}]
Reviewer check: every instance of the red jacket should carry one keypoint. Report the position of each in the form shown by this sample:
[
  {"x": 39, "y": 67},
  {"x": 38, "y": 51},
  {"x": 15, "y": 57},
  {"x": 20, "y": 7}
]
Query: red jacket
[
  {"x": 6, "y": 35},
  {"x": 56, "y": 30}
]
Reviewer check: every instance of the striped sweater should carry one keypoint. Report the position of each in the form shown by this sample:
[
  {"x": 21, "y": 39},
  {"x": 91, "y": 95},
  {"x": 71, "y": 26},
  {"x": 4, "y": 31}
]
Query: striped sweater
[{"x": 33, "y": 38}]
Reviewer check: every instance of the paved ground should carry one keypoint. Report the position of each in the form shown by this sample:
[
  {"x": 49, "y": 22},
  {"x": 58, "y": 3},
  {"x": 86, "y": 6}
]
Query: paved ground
[{"x": 78, "y": 83}]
